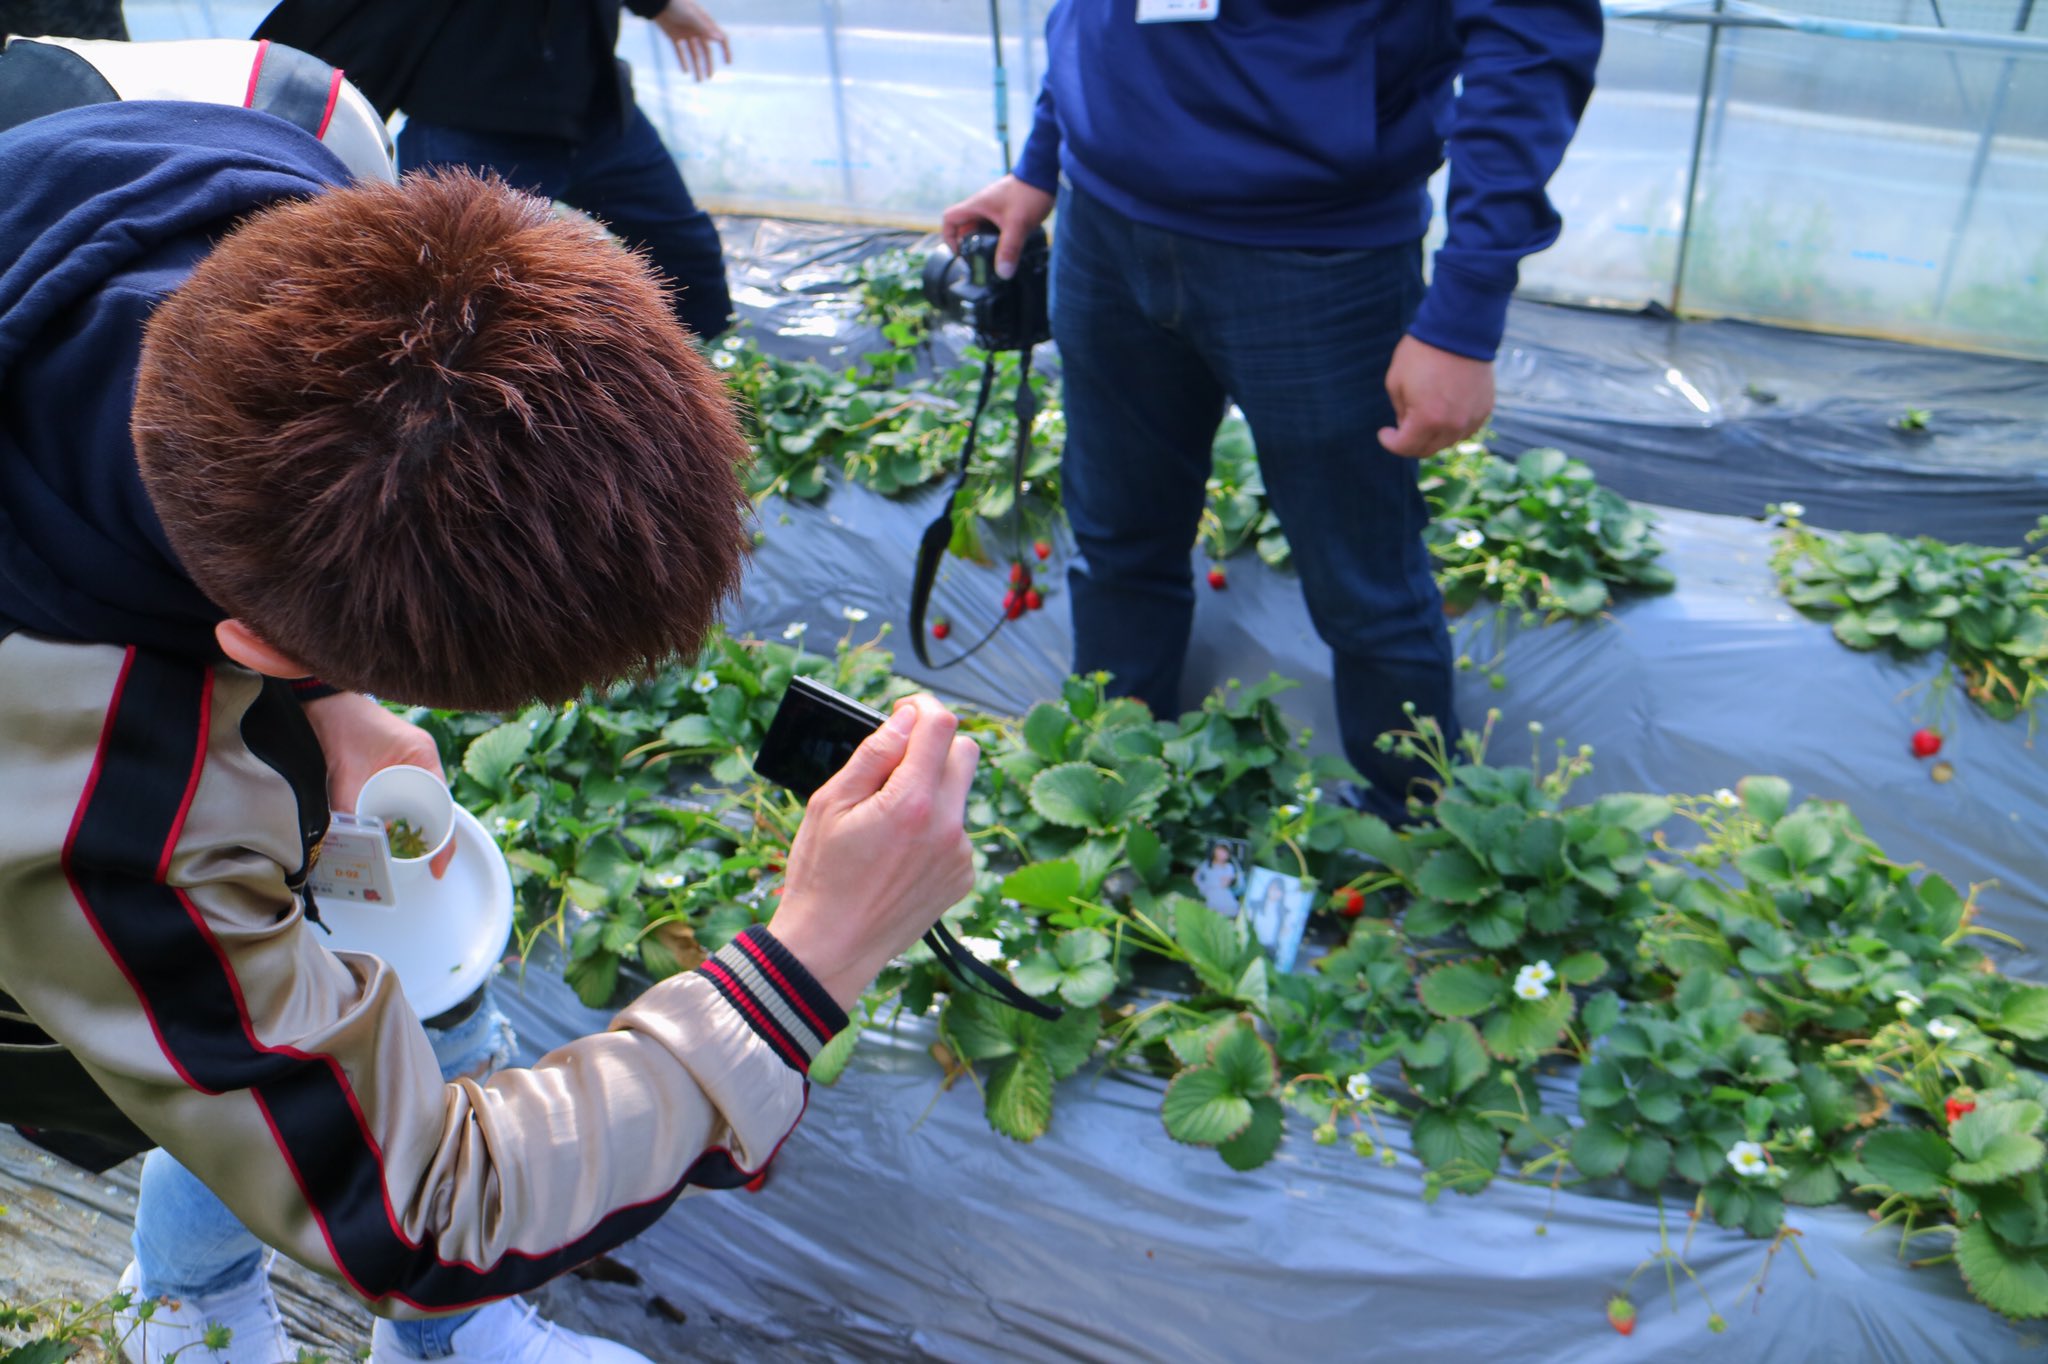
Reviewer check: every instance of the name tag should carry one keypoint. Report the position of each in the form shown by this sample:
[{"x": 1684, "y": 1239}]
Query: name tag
[
  {"x": 1177, "y": 11},
  {"x": 354, "y": 862}
]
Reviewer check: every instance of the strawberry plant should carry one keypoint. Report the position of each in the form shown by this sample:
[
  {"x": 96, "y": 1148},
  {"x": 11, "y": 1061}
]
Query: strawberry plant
[
  {"x": 1537, "y": 532},
  {"x": 890, "y": 287},
  {"x": 1986, "y": 609},
  {"x": 1237, "y": 512},
  {"x": 1764, "y": 1014}
]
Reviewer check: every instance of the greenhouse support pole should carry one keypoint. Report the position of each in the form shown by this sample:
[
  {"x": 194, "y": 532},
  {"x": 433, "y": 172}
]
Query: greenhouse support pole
[
  {"x": 1692, "y": 174},
  {"x": 1002, "y": 82},
  {"x": 1978, "y": 164},
  {"x": 830, "y": 10}
]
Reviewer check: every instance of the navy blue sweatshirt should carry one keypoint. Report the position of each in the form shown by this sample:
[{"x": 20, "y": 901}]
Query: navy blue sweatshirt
[
  {"x": 1317, "y": 123},
  {"x": 108, "y": 208}
]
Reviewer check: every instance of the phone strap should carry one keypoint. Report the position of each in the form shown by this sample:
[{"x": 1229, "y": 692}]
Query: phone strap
[
  {"x": 931, "y": 547},
  {"x": 978, "y": 976}
]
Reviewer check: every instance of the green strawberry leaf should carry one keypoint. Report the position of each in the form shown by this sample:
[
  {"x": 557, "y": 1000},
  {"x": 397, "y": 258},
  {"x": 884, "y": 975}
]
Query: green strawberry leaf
[
  {"x": 1454, "y": 877},
  {"x": 830, "y": 1062},
  {"x": 1911, "y": 1160},
  {"x": 1244, "y": 1060},
  {"x": 1088, "y": 984},
  {"x": 1201, "y": 1109},
  {"x": 1458, "y": 1144},
  {"x": 1462, "y": 989},
  {"x": 1528, "y": 1027},
  {"x": 1255, "y": 1145},
  {"x": 1020, "y": 1097},
  {"x": 1648, "y": 1162},
  {"x": 2008, "y": 1280},
  {"x": 1582, "y": 968},
  {"x": 1039, "y": 974},
  {"x": 493, "y": 755},
  {"x": 1050, "y": 886},
  {"x": 1599, "y": 1149},
  {"x": 2024, "y": 1013},
  {"x": 1996, "y": 1142},
  {"x": 1765, "y": 799}
]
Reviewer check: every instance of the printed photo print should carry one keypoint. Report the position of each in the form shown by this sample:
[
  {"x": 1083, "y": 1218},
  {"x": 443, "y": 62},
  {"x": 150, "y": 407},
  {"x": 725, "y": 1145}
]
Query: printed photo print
[
  {"x": 1220, "y": 877},
  {"x": 1279, "y": 906}
]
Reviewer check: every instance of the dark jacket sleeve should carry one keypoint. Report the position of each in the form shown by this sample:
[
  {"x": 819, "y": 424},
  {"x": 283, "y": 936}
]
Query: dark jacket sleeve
[{"x": 1527, "y": 71}]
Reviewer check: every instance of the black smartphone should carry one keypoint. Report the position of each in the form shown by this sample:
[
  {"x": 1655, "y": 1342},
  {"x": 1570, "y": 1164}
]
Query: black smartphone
[{"x": 814, "y": 732}]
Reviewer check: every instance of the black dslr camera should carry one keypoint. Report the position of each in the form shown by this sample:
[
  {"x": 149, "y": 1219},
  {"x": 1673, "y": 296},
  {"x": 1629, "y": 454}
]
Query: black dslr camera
[{"x": 1006, "y": 314}]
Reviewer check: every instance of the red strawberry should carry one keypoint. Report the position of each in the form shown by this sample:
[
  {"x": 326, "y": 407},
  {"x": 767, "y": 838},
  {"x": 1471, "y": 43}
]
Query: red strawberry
[
  {"x": 1217, "y": 579},
  {"x": 1013, "y": 605},
  {"x": 1019, "y": 575},
  {"x": 1032, "y": 601},
  {"x": 1957, "y": 1107},
  {"x": 940, "y": 629},
  {"x": 1351, "y": 902},
  {"x": 1621, "y": 1315},
  {"x": 1041, "y": 549},
  {"x": 1926, "y": 743}
]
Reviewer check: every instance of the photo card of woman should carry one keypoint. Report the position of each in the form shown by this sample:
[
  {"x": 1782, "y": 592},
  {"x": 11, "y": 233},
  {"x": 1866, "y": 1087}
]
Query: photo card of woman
[
  {"x": 1220, "y": 877},
  {"x": 1278, "y": 904}
]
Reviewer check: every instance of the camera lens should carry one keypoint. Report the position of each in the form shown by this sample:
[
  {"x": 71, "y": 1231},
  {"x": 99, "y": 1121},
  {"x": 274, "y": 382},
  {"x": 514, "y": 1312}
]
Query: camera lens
[{"x": 939, "y": 269}]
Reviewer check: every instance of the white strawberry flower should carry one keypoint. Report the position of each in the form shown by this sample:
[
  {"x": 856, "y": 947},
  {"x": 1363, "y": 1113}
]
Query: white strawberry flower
[
  {"x": 1726, "y": 798},
  {"x": 1359, "y": 1087},
  {"x": 795, "y": 629},
  {"x": 1748, "y": 1159},
  {"x": 724, "y": 359},
  {"x": 1471, "y": 539},
  {"x": 1791, "y": 509},
  {"x": 705, "y": 684},
  {"x": 853, "y": 613},
  {"x": 1905, "y": 1001},
  {"x": 1533, "y": 979},
  {"x": 1941, "y": 1030}
]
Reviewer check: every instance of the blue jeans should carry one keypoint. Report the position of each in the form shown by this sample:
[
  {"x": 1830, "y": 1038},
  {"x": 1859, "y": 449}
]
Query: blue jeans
[
  {"x": 188, "y": 1245},
  {"x": 1157, "y": 333},
  {"x": 625, "y": 178}
]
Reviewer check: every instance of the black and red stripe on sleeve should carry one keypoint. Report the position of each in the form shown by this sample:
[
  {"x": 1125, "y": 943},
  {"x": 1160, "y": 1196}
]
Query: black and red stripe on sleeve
[
  {"x": 130, "y": 817},
  {"x": 780, "y": 1000}
]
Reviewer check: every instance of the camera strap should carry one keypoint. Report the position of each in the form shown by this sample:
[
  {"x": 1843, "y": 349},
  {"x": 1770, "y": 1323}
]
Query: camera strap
[
  {"x": 931, "y": 547},
  {"x": 983, "y": 979}
]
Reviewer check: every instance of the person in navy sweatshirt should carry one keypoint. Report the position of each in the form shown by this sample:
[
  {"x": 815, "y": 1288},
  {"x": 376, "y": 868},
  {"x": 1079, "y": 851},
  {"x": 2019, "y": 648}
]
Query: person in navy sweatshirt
[{"x": 1243, "y": 192}]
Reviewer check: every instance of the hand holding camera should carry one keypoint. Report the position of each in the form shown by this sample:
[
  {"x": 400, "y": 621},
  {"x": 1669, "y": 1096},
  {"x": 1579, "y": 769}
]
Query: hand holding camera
[
  {"x": 1013, "y": 207},
  {"x": 883, "y": 850}
]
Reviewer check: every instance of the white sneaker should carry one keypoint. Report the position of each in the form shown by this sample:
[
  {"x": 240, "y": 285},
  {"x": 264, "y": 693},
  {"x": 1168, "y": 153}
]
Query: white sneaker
[
  {"x": 509, "y": 1332},
  {"x": 240, "y": 1326}
]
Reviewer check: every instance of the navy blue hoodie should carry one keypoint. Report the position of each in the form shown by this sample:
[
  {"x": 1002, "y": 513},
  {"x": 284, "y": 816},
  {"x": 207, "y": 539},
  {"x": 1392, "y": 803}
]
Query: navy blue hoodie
[
  {"x": 107, "y": 209},
  {"x": 1317, "y": 123}
]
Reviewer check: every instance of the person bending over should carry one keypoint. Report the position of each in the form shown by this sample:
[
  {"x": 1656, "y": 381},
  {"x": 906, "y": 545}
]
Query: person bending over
[{"x": 426, "y": 440}]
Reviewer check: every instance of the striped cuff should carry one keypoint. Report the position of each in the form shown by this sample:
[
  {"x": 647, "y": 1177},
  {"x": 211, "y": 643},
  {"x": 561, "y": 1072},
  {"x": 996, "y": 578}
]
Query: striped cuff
[
  {"x": 780, "y": 1000},
  {"x": 312, "y": 689}
]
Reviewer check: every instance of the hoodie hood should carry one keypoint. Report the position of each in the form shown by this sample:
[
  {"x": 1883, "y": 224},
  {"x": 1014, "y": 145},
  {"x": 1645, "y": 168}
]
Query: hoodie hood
[{"x": 108, "y": 209}]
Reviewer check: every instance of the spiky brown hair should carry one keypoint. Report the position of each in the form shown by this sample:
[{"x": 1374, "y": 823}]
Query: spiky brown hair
[{"x": 439, "y": 444}]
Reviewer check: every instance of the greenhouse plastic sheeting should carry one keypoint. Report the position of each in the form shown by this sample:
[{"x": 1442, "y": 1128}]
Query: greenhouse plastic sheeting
[
  {"x": 1730, "y": 416},
  {"x": 1712, "y": 416},
  {"x": 896, "y": 1226}
]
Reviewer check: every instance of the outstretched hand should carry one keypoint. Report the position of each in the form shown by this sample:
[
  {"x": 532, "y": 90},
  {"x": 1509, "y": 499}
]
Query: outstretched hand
[
  {"x": 691, "y": 28},
  {"x": 1439, "y": 398},
  {"x": 360, "y": 737},
  {"x": 882, "y": 851}
]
